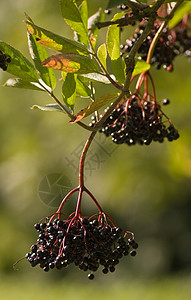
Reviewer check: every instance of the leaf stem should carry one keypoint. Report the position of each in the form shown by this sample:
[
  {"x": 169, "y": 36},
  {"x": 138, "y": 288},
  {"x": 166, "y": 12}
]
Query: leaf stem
[{"x": 63, "y": 108}]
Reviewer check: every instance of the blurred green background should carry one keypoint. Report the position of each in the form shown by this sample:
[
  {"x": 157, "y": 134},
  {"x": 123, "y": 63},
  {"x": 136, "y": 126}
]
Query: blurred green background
[{"x": 145, "y": 189}]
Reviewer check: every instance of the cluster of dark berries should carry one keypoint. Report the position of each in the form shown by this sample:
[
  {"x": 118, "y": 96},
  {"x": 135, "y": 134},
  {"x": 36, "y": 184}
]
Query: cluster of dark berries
[
  {"x": 171, "y": 43},
  {"x": 87, "y": 243},
  {"x": 137, "y": 121}
]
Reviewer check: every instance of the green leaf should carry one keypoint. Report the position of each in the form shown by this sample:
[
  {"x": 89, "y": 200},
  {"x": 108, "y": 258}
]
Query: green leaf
[
  {"x": 38, "y": 54},
  {"x": 179, "y": 14},
  {"x": 48, "y": 107},
  {"x": 97, "y": 77},
  {"x": 113, "y": 47},
  {"x": 19, "y": 66},
  {"x": 97, "y": 104},
  {"x": 73, "y": 18},
  {"x": 56, "y": 42},
  {"x": 83, "y": 9},
  {"x": 20, "y": 83},
  {"x": 82, "y": 89},
  {"x": 140, "y": 66},
  {"x": 94, "y": 31},
  {"x": 69, "y": 90},
  {"x": 72, "y": 63},
  {"x": 102, "y": 54}
]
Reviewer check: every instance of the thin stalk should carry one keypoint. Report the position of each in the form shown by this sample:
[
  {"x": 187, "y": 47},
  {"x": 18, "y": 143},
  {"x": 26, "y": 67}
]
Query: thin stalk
[
  {"x": 83, "y": 157},
  {"x": 64, "y": 109}
]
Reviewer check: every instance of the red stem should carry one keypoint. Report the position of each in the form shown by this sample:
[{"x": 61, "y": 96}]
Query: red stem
[
  {"x": 94, "y": 199},
  {"x": 153, "y": 87},
  {"x": 82, "y": 159}
]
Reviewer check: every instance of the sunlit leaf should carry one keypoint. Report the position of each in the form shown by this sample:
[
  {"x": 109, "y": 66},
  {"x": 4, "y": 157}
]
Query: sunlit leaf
[
  {"x": 82, "y": 89},
  {"x": 97, "y": 104},
  {"x": 69, "y": 90},
  {"x": 179, "y": 13},
  {"x": 97, "y": 77},
  {"x": 94, "y": 31},
  {"x": 39, "y": 54},
  {"x": 72, "y": 63},
  {"x": 73, "y": 18},
  {"x": 83, "y": 9},
  {"x": 48, "y": 107},
  {"x": 19, "y": 66},
  {"x": 22, "y": 84},
  {"x": 102, "y": 54},
  {"x": 140, "y": 66},
  {"x": 56, "y": 42},
  {"x": 113, "y": 47}
]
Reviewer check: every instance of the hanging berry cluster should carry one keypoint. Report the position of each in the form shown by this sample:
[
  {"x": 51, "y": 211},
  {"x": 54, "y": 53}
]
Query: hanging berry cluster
[
  {"x": 139, "y": 119},
  {"x": 87, "y": 242},
  {"x": 171, "y": 43}
]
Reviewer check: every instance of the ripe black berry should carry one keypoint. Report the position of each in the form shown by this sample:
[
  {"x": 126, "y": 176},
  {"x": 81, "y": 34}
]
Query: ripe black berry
[{"x": 91, "y": 276}]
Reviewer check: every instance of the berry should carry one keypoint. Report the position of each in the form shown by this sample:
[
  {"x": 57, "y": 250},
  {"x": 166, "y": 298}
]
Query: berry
[
  {"x": 133, "y": 253},
  {"x": 91, "y": 276}
]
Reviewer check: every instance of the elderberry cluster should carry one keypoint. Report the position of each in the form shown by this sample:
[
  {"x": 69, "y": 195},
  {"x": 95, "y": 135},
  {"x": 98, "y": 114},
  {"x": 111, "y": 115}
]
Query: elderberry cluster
[
  {"x": 87, "y": 243},
  {"x": 136, "y": 122},
  {"x": 171, "y": 43}
]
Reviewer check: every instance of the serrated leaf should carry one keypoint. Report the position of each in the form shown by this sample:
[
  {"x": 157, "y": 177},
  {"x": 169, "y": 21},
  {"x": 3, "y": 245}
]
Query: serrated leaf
[
  {"x": 97, "y": 104},
  {"x": 39, "y": 54},
  {"x": 94, "y": 31},
  {"x": 22, "y": 84},
  {"x": 56, "y": 42},
  {"x": 69, "y": 90},
  {"x": 113, "y": 47},
  {"x": 179, "y": 14},
  {"x": 73, "y": 18},
  {"x": 48, "y": 107},
  {"x": 97, "y": 77},
  {"x": 72, "y": 63},
  {"x": 140, "y": 66},
  {"x": 19, "y": 66},
  {"x": 102, "y": 54},
  {"x": 82, "y": 89}
]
